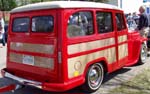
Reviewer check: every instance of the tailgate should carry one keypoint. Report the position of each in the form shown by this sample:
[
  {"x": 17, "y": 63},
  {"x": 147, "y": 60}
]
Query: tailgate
[
  {"x": 32, "y": 60},
  {"x": 32, "y": 45}
]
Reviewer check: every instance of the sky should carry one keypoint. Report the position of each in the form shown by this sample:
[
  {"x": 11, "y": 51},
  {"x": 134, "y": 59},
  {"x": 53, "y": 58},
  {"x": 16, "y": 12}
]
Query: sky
[{"x": 130, "y": 6}]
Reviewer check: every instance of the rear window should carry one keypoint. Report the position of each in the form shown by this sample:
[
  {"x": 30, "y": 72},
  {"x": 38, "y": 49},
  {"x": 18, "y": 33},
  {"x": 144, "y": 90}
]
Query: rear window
[
  {"x": 21, "y": 24},
  {"x": 42, "y": 24}
]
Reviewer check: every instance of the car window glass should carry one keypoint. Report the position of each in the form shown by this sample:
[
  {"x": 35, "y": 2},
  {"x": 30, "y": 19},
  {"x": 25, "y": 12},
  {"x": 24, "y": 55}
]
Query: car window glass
[
  {"x": 80, "y": 24},
  {"x": 21, "y": 24},
  {"x": 120, "y": 22},
  {"x": 104, "y": 22},
  {"x": 42, "y": 24}
]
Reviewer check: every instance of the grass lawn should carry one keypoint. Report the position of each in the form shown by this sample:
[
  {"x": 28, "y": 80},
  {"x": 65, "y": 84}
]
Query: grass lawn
[{"x": 138, "y": 85}]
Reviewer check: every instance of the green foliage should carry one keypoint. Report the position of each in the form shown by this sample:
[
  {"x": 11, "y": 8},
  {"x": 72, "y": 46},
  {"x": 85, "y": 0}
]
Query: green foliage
[
  {"x": 102, "y": 1},
  {"x": 34, "y": 1},
  {"x": 7, "y": 5},
  {"x": 25, "y": 2}
]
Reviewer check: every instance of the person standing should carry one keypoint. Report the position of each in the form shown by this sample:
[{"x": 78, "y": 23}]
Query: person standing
[
  {"x": 143, "y": 22},
  {"x": 135, "y": 17},
  {"x": 129, "y": 20},
  {"x": 143, "y": 25},
  {"x": 2, "y": 31}
]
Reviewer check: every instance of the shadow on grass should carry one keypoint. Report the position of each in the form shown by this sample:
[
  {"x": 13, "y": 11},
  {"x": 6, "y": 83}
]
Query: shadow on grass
[
  {"x": 140, "y": 84},
  {"x": 132, "y": 88},
  {"x": 114, "y": 74}
]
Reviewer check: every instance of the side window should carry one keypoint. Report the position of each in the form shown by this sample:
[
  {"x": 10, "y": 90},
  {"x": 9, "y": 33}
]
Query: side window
[
  {"x": 80, "y": 24},
  {"x": 104, "y": 22},
  {"x": 120, "y": 22},
  {"x": 21, "y": 24},
  {"x": 42, "y": 24}
]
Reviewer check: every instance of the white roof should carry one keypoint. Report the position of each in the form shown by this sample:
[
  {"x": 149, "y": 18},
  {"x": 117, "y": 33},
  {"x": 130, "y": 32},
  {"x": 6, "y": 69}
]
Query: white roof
[{"x": 62, "y": 4}]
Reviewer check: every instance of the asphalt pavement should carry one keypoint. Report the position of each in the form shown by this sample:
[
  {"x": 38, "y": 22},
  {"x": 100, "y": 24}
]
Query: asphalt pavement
[{"x": 111, "y": 81}]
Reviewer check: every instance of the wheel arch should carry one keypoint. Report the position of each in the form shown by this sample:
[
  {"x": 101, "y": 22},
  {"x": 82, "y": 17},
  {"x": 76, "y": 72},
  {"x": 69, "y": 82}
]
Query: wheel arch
[
  {"x": 88, "y": 86},
  {"x": 103, "y": 61}
]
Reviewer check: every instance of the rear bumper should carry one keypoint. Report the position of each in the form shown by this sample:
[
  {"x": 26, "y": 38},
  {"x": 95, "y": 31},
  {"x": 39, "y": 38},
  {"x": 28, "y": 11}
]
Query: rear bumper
[
  {"x": 59, "y": 87},
  {"x": 22, "y": 80}
]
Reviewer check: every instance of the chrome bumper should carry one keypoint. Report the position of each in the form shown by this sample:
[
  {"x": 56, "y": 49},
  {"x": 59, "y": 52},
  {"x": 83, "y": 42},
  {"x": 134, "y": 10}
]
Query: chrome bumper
[{"x": 23, "y": 81}]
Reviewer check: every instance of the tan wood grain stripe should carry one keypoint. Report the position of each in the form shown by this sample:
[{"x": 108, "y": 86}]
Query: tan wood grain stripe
[
  {"x": 38, "y": 48},
  {"x": 76, "y": 48},
  {"x": 109, "y": 54},
  {"x": 123, "y": 51},
  {"x": 122, "y": 38},
  {"x": 38, "y": 61}
]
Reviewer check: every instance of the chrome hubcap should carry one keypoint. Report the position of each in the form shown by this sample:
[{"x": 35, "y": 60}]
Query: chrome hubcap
[
  {"x": 95, "y": 76},
  {"x": 143, "y": 54}
]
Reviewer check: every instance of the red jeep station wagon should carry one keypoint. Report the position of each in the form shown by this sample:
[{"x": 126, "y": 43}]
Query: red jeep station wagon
[{"x": 59, "y": 45}]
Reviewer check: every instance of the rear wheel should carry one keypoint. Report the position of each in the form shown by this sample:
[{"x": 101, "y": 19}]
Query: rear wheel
[
  {"x": 143, "y": 54},
  {"x": 94, "y": 78}
]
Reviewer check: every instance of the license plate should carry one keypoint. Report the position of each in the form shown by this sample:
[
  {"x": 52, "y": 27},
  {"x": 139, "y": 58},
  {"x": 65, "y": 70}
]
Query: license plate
[{"x": 29, "y": 60}]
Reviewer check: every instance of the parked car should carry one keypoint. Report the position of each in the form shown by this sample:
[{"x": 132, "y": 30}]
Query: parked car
[{"x": 59, "y": 45}]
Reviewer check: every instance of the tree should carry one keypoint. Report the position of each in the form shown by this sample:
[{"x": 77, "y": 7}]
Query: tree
[
  {"x": 25, "y": 2},
  {"x": 22, "y": 2},
  {"x": 7, "y": 5},
  {"x": 102, "y": 1},
  {"x": 34, "y": 1}
]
